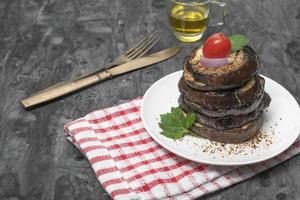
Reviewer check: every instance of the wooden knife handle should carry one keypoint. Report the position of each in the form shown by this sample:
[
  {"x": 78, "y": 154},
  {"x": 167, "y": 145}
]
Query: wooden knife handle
[{"x": 63, "y": 89}]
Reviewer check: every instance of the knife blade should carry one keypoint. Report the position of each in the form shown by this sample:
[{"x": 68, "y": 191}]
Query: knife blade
[
  {"x": 62, "y": 89},
  {"x": 145, "y": 61}
]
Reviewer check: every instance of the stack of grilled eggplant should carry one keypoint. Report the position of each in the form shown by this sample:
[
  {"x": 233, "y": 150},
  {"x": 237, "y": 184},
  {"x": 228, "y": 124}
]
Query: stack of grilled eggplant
[{"x": 228, "y": 100}]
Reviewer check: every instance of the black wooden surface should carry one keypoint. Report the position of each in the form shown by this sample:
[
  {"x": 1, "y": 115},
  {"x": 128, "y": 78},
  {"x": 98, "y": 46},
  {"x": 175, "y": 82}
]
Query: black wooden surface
[{"x": 46, "y": 41}]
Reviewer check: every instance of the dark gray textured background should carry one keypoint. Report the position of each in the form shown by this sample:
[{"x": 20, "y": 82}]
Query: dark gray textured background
[{"x": 46, "y": 41}]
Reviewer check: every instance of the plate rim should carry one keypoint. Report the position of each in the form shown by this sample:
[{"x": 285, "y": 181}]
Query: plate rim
[{"x": 199, "y": 160}]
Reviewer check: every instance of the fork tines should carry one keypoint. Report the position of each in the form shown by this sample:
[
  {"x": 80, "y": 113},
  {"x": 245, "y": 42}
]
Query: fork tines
[{"x": 143, "y": 46}]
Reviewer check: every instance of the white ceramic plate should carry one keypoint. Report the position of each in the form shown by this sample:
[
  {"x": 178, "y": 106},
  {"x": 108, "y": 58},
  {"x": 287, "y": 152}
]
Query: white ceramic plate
[{"x": 281, "y": 126}]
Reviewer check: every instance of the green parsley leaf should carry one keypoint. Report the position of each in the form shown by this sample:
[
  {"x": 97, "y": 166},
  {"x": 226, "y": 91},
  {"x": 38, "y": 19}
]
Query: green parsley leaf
[
  {"x": 238, "y": 42},
  {"x": 176, "y": 124},
  {"x": 190, "y": 119}
]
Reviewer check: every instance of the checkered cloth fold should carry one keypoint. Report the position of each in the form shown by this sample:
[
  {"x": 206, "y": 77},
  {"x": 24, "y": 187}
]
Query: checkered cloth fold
[{"x": 129, "y": 164}]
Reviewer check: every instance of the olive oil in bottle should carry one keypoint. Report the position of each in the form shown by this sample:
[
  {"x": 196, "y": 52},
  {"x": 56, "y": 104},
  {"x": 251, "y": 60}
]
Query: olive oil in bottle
[{"x": 188, "y": 21}]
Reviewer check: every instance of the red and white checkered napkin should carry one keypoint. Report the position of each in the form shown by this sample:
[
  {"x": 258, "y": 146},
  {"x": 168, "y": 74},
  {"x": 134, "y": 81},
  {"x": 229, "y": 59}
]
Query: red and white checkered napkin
[{"x": 130, "y": 165}]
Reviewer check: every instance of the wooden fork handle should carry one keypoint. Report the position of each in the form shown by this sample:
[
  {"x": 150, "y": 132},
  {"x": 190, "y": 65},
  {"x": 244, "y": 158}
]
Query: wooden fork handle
[{"x": 63, "y": 89}]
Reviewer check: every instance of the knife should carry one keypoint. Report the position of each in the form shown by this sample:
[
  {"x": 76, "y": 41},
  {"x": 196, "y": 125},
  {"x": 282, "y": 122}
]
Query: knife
[{"x": 62, "y": 89}]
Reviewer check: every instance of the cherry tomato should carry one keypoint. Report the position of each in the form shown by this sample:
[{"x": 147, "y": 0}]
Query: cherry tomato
[{"x": 216, "y": 46}]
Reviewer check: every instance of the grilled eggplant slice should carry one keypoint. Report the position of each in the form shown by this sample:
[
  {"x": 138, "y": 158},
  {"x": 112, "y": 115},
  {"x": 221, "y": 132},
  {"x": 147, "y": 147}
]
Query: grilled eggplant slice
[
  {"x": 235, "y": 135},
  {"x": 235, "y": 98},
  {"x": 243, "y": 110},
  {"x": 243, "y": 67},
  {"x": 227, "y": 122}
]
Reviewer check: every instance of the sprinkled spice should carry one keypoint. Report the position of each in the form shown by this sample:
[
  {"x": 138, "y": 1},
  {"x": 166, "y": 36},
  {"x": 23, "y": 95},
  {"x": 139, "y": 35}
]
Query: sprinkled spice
[
  {"x": 260, "y": 140},
  {"x": 216, "y": 149}
]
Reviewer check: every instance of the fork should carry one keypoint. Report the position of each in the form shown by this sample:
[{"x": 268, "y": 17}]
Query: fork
[{"x": 134, "y": 52}]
